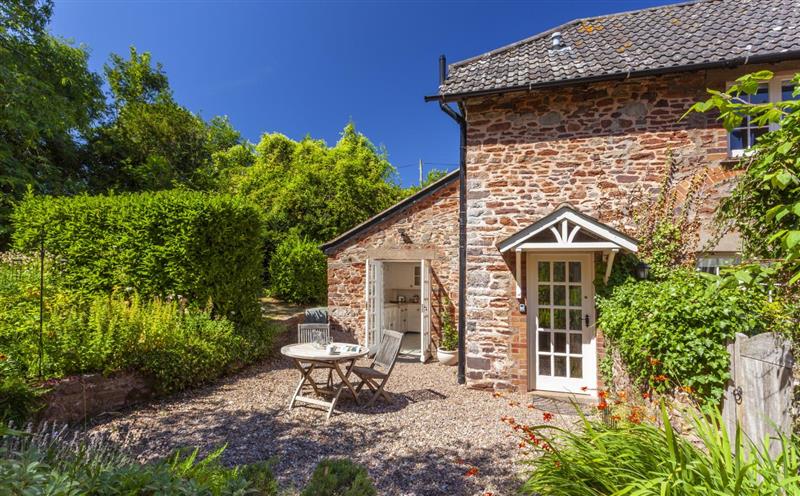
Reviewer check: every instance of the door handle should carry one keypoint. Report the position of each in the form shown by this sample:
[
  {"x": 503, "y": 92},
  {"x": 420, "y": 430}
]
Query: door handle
[{"x": 586, "y": 319}]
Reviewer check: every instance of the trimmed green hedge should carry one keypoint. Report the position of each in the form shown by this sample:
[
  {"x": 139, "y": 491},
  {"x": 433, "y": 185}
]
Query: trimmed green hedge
[
  {"x": 201, "y": 246},
  {"x": 299, "y": 271}
]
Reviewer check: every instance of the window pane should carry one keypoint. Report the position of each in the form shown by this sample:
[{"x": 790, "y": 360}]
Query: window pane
[
  {"x": 560, "y": 342},
  {"x": 544, "y": 364},
  {"x": 761, "y": 96},
  {"x": 575, "y": 296},
  {"x": 544, "y": 318},
  {"x": 544, "y": 294},
  {"x": 787, "y": 89},
  {"x": 738, "y": 139},
  {"x": 544, "y": 341},
  {"x": 560, "y": 319},
  {"x": 544, "y": 271},
  {"x": 560, "y": 366},
  {"x": 575, "y": 320},
  {"x": 575, "y": 367},
  {"x": 559, "y": 295},
  {"x": 575, "y": 344},
  {"x": 574, "y": 272},
  {"x": 755, "y": 133},
  {"x": 559, "y": 269}
]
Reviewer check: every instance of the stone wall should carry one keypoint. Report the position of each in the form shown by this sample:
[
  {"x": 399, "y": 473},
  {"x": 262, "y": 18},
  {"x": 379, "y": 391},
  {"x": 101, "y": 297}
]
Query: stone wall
[
  {"x": 76, "y": 398},
  {"x": 429, "y": 230},
  {"x": 602, "y": 148}
]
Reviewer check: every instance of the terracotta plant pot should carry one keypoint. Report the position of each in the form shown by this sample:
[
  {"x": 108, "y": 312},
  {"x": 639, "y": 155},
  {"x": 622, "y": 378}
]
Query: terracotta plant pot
[{"x": 447, "y": 357}]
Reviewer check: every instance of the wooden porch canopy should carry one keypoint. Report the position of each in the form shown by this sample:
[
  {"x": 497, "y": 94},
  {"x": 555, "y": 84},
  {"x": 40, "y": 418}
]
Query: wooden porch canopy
[{"x": 566, "y": 229}]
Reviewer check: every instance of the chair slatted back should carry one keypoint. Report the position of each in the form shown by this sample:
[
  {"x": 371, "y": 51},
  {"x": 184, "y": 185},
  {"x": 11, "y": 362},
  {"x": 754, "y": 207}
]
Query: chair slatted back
[
  {"x": 305, "y": 332},
  {"x": 388, "y": 349}
]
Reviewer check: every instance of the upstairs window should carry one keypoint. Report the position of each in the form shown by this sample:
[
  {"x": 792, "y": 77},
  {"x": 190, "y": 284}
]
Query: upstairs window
[
  {"x": 713, "y": 262},
  {"x": 742, "y": 138}
]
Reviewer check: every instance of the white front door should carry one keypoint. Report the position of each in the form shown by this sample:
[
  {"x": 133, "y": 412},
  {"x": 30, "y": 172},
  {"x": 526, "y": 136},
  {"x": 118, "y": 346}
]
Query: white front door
[{"x": 562, "y": 350}]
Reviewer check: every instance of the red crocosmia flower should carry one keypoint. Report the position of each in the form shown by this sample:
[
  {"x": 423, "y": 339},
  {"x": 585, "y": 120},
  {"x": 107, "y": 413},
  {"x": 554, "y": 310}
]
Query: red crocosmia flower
[
  {"x": 547, "y": 416},
  {"x": 655, "y": 361},
  {"x": 602, "y": 405},
  {"x": 687, "y": 389},
  {"x": 473, "y": 471},
  {"x": 488, "y": 493},
  {"x": 660, "y": 378},
  {"x": 521, "y": 445},
  {"x": 602, "y": 394},
  {"x": 646, "y": 396}
]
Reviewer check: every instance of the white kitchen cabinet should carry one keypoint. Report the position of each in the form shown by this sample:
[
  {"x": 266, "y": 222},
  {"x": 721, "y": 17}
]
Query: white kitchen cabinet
[
  {"x": 412, "y": 317},
  {"x": 401, "y": 317},
  {"x": 391, "y": 317}
]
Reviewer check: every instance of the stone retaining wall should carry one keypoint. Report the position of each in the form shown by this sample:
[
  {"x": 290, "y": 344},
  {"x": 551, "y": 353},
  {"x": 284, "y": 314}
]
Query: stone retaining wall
[{"x": 76, "y": 398}]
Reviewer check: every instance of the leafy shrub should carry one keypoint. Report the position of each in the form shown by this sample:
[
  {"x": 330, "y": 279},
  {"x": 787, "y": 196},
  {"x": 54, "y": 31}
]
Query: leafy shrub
[
  {"x": 205, "y": 247},
  {"x": 19, "y": 399},
  {"x": 177, "y": 346},
  {"x": 449, "y": 331},
  {"x": 339, "y": 477},
  {"x": 55, "y": 462},
  {"x": 644, "y": 459},
  {"x": 676, "y": 330},
  {"x": 298, "y": 271}
]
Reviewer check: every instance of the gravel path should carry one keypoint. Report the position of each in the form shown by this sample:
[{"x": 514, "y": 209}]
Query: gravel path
[{"x": 425, "y": 443}]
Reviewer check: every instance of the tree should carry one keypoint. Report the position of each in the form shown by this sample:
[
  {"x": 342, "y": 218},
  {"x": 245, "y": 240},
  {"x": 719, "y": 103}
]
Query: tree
[
  {"x": 50, "y": 100},
  {"x": 765, "y": 205},
  {"x": 151, "y": 142},
  {"x": 313, "y": 190}
]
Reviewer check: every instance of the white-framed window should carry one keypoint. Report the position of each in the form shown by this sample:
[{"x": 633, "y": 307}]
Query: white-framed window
[
  {"x": 742, "y": 138},
  {"x": 713, "y": 262}
]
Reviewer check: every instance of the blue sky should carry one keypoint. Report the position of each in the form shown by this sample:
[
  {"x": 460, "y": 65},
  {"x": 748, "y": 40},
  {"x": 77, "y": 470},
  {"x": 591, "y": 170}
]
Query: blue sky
[{"x": 307, "y": 67}]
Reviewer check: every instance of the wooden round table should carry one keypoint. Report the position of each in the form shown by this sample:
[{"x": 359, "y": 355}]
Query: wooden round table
[{"x": 307, "y": 357}]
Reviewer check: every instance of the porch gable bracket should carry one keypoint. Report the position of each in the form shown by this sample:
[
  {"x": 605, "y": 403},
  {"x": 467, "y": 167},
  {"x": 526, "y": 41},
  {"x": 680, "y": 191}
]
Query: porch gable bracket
[{"x": 566, "y": 229}]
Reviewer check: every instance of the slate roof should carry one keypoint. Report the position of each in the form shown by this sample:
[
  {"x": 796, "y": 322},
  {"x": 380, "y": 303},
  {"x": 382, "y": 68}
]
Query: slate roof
[{"x": 671, "y": 38}]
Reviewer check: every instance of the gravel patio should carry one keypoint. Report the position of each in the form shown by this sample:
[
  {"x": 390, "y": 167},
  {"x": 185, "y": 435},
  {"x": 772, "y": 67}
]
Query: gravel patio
[{"x": 425, "y": 443}]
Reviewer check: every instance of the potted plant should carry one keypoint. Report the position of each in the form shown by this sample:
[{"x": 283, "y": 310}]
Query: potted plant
[{"x": 447, "y": 352}]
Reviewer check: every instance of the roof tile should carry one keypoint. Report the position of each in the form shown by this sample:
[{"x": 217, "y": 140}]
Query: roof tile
[{"x": 661, "y": 38}]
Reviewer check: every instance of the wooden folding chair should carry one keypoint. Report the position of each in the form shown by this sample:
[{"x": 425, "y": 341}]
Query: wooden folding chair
[
  {"x": 377, "y": 374},
  {"x": 305, "y": 334}
]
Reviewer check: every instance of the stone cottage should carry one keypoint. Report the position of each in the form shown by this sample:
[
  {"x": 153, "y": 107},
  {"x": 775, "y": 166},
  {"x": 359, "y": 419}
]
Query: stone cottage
[{"x": 563, "y": 134}]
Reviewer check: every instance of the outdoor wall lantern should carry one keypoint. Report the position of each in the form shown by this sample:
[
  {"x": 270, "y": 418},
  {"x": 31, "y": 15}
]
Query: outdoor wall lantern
[{"x": 642, "y": 271}]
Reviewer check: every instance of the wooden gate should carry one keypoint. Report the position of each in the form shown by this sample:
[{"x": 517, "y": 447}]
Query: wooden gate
[{"x": 759, "y": 394}]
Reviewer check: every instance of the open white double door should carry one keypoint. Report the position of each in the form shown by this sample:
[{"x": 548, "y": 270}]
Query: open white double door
[{"x": 375, "y": 318}]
